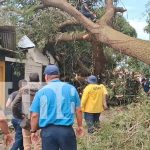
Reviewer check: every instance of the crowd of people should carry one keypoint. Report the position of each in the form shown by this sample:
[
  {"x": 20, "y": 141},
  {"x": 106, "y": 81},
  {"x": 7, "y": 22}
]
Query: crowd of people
[{"x": 43, "y": 116}]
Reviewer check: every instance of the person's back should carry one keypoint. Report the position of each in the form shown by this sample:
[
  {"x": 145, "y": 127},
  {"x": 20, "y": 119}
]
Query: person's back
[
  {"x": 59, "y": 99},
  {"x": 92, "y": 103},
  {"x": 27, "y": 94},
  {"x": 53, "y": 110},
  {"x": 95, "y": 95},
  {"x": 24, "y": 98}
]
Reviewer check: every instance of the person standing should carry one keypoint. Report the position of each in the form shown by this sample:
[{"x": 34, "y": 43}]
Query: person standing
[
  {"x": 24, "y": 99},
  {"x": 18, "y": 143},
  {"x": 93, "y": 103},
  {"x": 53, "y": 111}
]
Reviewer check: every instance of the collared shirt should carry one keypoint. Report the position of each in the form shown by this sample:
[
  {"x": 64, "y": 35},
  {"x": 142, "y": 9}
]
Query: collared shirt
[
  {"x": 56, "y": 103},
  {"x": 93, "y": 98}
]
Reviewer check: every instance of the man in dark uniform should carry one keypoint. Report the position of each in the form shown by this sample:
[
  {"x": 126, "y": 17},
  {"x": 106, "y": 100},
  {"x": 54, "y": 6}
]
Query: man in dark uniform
[{"x": 86, "y": 10}]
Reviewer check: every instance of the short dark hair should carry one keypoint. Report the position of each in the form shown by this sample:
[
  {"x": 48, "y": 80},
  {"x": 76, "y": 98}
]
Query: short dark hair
[
  {"x": 22, "y": 83},
  {"x": 34, "y": 77}
]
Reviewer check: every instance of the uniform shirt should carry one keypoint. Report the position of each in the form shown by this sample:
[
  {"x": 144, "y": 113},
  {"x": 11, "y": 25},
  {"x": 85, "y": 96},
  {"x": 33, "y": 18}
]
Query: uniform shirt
[
  {"x": 104, "y": 88},
  {"x": 55, "y": 103},
  {"x": 93, "y": 98}
]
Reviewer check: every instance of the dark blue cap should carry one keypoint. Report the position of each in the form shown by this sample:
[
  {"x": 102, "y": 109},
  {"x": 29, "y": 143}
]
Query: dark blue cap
[
  {"x": 91, "y": 79},
  {"x": 51, "y": 70}
]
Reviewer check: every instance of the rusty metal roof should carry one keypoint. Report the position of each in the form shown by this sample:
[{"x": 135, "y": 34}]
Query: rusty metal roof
[{"x": 7, "y": 50}]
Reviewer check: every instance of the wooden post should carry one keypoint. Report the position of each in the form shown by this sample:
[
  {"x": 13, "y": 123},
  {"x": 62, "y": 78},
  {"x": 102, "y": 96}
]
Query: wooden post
[{"x": 2, "y": 84}]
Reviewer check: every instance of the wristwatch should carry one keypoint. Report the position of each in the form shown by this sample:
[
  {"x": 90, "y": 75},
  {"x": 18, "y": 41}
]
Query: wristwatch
[{"x": 33, "y": 131}]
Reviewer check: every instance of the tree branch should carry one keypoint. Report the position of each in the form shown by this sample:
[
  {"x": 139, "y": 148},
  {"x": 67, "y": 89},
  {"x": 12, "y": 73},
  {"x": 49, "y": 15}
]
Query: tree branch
[
  {"x": 36, "y": 8},
  {"x": 102, "y": 32},
  {"x": 88, "y": 24},
  {"x": 68, "y": 23},
  {"x": 110, "y": 11},
  {"x": 81, "y": 65},
  {"x": 73, "y": 36},
  {"x": 125, "y": 44},
  {"x": 12, "y": 9},
  {"x": 120, "y": 9}
]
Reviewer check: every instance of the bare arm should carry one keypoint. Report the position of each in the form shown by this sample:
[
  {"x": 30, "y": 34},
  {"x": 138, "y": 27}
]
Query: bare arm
[
  {"x": 79, "y": 116},
  {"x": 8, "y": 103},
  {"x": 5, "y": 130},
  {"x": 34, "y": 121},
  {"x": 4, "y": 126},
  {"x": 79, "y": 130}
]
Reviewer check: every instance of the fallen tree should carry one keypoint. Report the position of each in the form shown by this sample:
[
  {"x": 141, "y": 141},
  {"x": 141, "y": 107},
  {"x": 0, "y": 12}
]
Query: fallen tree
[{"x": 102, "y": 32}]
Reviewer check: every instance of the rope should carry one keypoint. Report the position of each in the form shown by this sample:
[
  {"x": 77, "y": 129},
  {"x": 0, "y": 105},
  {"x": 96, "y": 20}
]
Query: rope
[{"x": 93, "y": 63}]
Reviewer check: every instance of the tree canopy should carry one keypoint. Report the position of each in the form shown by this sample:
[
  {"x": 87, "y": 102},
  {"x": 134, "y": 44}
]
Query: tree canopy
[{"x": 57, "y": 26}]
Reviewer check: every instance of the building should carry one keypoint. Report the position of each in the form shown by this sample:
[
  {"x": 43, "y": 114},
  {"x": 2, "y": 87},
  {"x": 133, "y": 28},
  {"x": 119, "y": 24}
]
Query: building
[
  {"x": 7, "y": 49},
  {"x": 13, "y": 69}
]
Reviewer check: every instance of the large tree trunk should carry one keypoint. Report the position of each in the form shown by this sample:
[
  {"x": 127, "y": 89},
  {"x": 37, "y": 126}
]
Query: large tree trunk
[
  {"x": 124, "y": 44},
  {"x": 103, "y": 33},
  {"x": 98, "y": 58}
]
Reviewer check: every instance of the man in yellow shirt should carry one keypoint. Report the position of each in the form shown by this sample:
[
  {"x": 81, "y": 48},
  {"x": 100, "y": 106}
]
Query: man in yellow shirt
[{"x": 93, "y": 103}]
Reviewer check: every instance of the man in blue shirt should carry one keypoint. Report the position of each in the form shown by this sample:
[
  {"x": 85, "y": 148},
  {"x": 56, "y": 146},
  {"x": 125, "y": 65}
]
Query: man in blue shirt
[{"x": 53, "y": 110}]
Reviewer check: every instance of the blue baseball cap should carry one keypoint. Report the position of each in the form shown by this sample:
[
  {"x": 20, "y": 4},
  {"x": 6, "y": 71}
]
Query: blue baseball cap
[
  {"x": 91, "y": 79},
  {"x": 51, "y": 70}
]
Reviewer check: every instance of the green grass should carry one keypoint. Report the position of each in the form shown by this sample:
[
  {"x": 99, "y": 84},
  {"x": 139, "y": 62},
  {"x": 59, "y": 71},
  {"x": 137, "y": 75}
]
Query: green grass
[{"x": 122, "y": 128}]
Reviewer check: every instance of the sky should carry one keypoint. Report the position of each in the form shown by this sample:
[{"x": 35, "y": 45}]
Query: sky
[{"x": 135, "y": 15}]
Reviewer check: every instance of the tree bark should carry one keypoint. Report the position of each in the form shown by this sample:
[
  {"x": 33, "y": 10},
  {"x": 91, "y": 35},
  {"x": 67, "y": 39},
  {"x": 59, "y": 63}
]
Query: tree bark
[
  {"x": 98, "y": 58},
  {"x": 103, "y": 33},
  {"x": 73, "y": 36}
]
